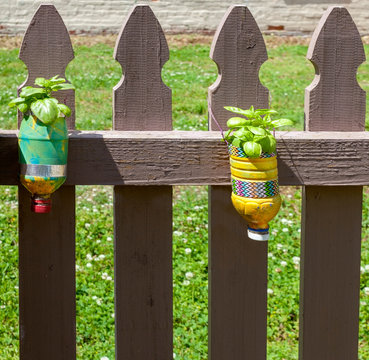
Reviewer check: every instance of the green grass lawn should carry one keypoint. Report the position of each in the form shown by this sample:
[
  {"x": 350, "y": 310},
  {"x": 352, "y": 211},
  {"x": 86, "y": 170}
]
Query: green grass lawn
[{"x": 189, "y": 73}]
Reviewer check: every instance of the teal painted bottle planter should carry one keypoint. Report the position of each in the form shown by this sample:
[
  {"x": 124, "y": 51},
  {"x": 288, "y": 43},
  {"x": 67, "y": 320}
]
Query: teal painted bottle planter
[{"x": 43, "y": 152}]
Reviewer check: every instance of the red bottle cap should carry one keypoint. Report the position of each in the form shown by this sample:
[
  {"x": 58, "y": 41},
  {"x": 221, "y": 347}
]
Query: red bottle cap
[{"x": 40, "y": 205}]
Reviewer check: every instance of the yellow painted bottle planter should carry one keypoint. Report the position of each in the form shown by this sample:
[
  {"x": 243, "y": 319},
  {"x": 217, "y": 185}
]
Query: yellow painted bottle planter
[{"x": 255, "y": 191}]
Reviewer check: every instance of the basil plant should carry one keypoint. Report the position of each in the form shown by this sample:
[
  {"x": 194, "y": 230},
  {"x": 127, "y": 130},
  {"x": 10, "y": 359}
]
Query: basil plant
[
  {"x": 39, "y": 102},
  {"x": 252, "y": 132}
]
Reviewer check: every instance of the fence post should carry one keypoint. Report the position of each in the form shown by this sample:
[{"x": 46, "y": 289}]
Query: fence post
[
  {"x": 237, "y": 265},
  {"x": 331, "y": 216},
  {"x": 47, "y": 241},
  {"x": 143, "y": 215}
]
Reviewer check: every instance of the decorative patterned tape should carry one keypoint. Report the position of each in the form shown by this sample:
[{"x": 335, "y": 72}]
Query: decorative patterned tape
[
  {"x": 237, "y": 151},
  {"x": 255, "y": 189}
]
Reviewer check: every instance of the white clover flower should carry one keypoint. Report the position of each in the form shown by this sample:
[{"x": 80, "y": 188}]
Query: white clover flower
[
  {"x": 109, "y": 238},
  {"x": 104, "y": 276},
  {"x": 366, "y": 267},
  {"x": 362, "y": 270},
  {"x": 196, "y": 207},
  {"x": 285, "y": 229},
  {"x": 284, "y": 221},
  {"x": 113, "y": 315},
  {"x": 270, "y": 255},
  {"x": 87, "y": 225},
  {"x": 270, "y": 291},
  {"x": 186, "y": 282},
  {"x": 177, "y": 233},
  {"x": 89, "y": 265},
  {"x": 94, "y": 297},
  {"x": 104, "y": 358},
  {"x": 283, "y": 263},
  {"x": 109, "y": 278},
  {"x": 184, "y": 240},
  {"x": 174, "y": 355},
  {"x": 296, "y": 260},
  {"x": 89, "y": 257},
  {"x": 102, "y": 257},
  {"x": 189, "y": 275},
  {"x": 290, "y": 214},
  {"x": 98, "y": 301},
  {"x": 98, "y": 241},
  {"x": 366, "y": 290},
  {"x": 188, "y": 251},
  {"x": 279, "y": 246},
  {"x": 299, "y": 230},
  {"x": 362, "y": 303},
  {"x": 189, "y": 218},
  {"x": 77, "y": 267}
]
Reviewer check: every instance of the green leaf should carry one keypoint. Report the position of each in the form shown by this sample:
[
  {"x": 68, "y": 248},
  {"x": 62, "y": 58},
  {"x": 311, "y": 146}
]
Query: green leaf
[
  {"x": 16, "y": 101},
  {"x": 244, "y": 134},
  {"x": 45, "y": 110},
  {"x": 273, "y": 143},
  {"x": 257, "y": 130},
  {"x": 62, "y": 87},
  {"x": 42, "y": 82},
  {"x": 236, "y": 142},
  {"x": 281, "y": 122},
  {"x": 64, "y": 109},
  {"x": 252, "y": 149},
  {"x": 267, "y": 143},
  {"x": 240, "y": 111},
  {"x": 57, "y": 80},
  {"x": 23, "y": 107},
  {"x": 235, "y": 122},
  {"x": 227, "y": 134},
  {"x": 30, "y": 91}
]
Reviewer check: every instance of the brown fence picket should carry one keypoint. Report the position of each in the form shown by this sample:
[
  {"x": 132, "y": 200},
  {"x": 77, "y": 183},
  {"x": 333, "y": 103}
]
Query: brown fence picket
[
  {"x": 238, "y": 265},
  {"x": 143, "y": 215},
  {"x": 47, "y": 241},
  {"x": 331, "y": 223}
]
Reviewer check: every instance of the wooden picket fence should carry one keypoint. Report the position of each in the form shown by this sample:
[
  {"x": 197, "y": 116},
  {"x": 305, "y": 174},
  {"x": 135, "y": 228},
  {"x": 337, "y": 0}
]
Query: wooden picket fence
[{"x": 143, "y": 159}]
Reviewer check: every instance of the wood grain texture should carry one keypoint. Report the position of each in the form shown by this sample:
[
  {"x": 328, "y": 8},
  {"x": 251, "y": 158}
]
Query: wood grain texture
[
  {"x": 331, "y": 218},
  {"x": 238, "y": 266},
  {"x": 47, "y": 241},
  {"x": 142, "y": 158},
  {"x": 47, "y": 50},
  {"x": 143, "y": 216},
  {"x": 238, "y": 283},
  {"x": 334, "y": 100},
  {"x": 141, "y": 97},
  {"x": 239, "y": 50},
  {"x": 330, "y": 268}
]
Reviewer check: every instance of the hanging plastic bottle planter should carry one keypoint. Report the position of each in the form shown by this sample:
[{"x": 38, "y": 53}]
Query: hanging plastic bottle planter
[
  {"x": 43, "y": 140},
  {"x": 252, "y": 146}
]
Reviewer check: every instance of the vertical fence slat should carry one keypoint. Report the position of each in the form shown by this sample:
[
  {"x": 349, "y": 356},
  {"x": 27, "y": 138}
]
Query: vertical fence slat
[
  {"x": 238, "y": 265},
  {"x": 143, "y": 215},
  {"x": 331, "y": 220},
  {"x": 46, "y": 241}
]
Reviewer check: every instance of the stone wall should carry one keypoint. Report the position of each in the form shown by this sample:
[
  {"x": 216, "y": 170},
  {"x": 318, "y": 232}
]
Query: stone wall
[{"x": 98, "y": 16}]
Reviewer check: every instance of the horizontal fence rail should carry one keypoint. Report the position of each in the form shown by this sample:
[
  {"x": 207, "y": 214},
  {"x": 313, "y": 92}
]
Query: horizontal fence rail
[
  {"x": 182, "y": 158},
  {"x": 330, "y": 160}
]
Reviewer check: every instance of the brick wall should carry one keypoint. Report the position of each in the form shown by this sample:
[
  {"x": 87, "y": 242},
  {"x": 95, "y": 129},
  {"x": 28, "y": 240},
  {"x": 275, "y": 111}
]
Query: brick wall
[{"x": 178, "y": 15}]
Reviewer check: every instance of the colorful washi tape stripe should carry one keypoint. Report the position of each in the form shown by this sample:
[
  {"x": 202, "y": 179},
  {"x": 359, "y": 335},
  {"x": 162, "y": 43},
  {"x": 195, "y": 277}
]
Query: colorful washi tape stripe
[
  {"x": 255, "y": 189},
  {"x": 237, "y": 151}
]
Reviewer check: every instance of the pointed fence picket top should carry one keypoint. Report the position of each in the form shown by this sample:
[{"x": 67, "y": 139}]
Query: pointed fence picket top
[
  {"x": 331, "y": 216},
  {"x": 143, "y": 215},
  {"x": 47, "y": 50},
  {"x": 141, "y": 99},
  {"x": 335, "y": 101},
  {"x": 47, "y": 241},
  {"x": 237, "y": 265},
  {"x": 239, "y": 50}
]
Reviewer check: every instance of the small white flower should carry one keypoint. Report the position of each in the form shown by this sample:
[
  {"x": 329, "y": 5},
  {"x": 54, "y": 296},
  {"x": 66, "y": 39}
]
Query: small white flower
[
  {"x": 362, "y": 270},
  {"x": 279, "y": 246},
  {"x": 177, "y": 233},
  {"x": 184, "y": 240},
  {"x": 296, "y": 260},
  {"x": 284, "y": 221},
  {"x": 98, "y": 241},
  {"x": 189, "y": 218},
  {"x": 366, "y": 267},
  {"x": 299, "y": 230},
  {"x": 270, "y": 291},
  {"x": 104, "y": 276},
  {"x": 362, "y": 303},
  {"x": 290, "y": 214},
  {"x": 102, "y": 257},
  {"x": 89, "y": 265},
  {"x": 109, "y": 238},
  {"x": 186, "y": 282},
  {"x": 113, "y": 315},
  {"x": 188, "y": 251},
  {"x": 104, "y": 358},
  {"x": 87, "y": 225},
  {"x": 197, "y": 207},
  {"x": 283, "y": 263},
  {"x": 285, "y": 229},
  {"x": 174, "y": 355},
  {"x": 270, "y": 255},
  {"x": 89, "y": 257},
  {"x": 289, "y": 196},
  {"x": 77, "y": 267},
  {"x": 98, "y": 301},
  {"x": 366, "y": 290},
  {"x": 2, "y": 307},
  {"x": 189, "y": 275},
  {"x": 109, "y": 278},
  {"x": 94, "y": 297}
]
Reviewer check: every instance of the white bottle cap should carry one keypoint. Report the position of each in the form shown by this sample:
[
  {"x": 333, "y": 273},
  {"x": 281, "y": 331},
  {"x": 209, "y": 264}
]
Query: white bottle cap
[{"x": 259, "y": 236}]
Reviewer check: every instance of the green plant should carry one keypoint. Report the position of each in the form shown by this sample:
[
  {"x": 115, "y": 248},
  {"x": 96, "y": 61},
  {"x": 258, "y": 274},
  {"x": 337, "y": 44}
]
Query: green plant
[
  {"x": 252, "y": 132},
  {"x": 39, "y": 102}
]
